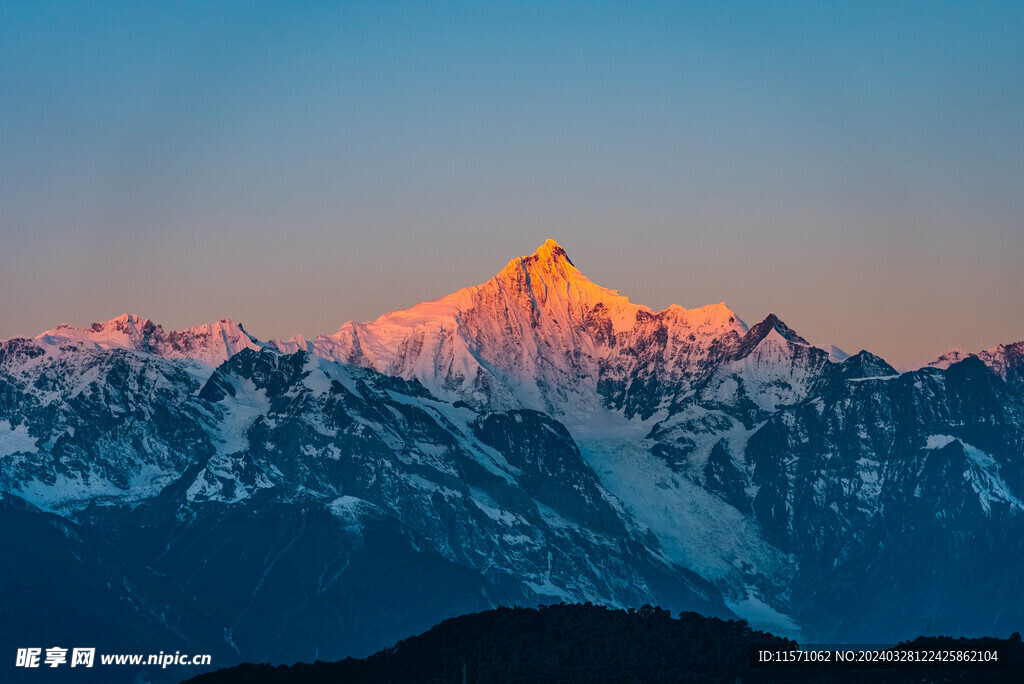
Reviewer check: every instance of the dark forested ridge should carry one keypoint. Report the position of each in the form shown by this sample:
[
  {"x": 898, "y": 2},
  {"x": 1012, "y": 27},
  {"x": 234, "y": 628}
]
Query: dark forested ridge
[
  {"x": 553, "y": 643},
  {"x": 587, "y": 643}
]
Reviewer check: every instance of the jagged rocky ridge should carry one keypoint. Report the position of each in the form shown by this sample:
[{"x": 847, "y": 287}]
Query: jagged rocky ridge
[
  {"x": 534, "y": 438},
  {"x": 204, "y": 347}
]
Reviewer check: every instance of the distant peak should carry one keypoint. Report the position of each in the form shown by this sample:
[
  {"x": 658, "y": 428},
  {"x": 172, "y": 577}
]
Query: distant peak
[
  {"x": 864, "y": 364},
  {"x": 120, "y": 322},
  {"x": 223, "y": 324},
  {"x": 948, "y": 358},
  {"x": 124, "y": 318},
  {"x": 835, "y": 354}
]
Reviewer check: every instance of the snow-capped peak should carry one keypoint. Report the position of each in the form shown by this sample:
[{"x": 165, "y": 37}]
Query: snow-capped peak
[
  {"x": 948, "y": 358},
  {"x": 835, "y": 354},
  {"x": 551, "y": 282},
  {"x": 549, "y": 264},
  {"x": 211, "y": 344},
  {"x": 779, "y": 328},
  {"x": 551, "y": 253},
  {"x": 536, "y": 334},
  {"x": 770, "y": 330}
]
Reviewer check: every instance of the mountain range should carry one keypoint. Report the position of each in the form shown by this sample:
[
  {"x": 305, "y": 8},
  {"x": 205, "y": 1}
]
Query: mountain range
[{"x": 534, "y": 439}]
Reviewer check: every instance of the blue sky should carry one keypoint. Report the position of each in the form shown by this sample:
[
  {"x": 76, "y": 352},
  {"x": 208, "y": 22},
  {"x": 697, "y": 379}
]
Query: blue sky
[{"x": 854, "y": 167}]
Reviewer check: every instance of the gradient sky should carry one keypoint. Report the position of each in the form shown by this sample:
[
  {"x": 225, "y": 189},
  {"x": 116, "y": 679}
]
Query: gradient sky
[{"x": 857, "y": 168}]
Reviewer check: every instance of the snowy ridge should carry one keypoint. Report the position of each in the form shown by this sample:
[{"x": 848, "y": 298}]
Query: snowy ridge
[
  {"x": 1007, "y": 360},
  {"x": 208, "y": 345}
]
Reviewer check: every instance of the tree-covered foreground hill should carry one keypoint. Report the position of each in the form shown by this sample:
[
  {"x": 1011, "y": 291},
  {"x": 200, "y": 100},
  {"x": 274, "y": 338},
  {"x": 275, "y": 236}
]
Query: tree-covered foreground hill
[{"x": 587, "y": 643}]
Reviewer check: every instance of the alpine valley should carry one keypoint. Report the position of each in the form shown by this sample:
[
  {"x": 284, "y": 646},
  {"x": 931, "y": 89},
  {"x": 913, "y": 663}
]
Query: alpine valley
[{"x": 534, "y": 439}]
